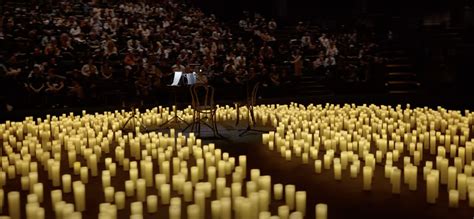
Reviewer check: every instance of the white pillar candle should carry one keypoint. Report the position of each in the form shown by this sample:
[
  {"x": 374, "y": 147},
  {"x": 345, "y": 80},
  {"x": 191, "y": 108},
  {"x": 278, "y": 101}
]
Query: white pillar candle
[
  {"x": 278, "y": 191},
  {"x": 462, "y": 186},
  {"x": 290, "y": 196},
  {"x": 200, "y": 165},
  {"x": 14, "y": 205},
  {"x": 452, "y": 176},
  {"x": 84, "y": 175},
  {"x": 56, "y": 196},
  {"x": 136, "y": 208},
  {"x": 367, "y": 178},
  {"x": 236, "y": 190},
  {"x": 160, "y": 179},
  {"x": 93, "y": 165},
  {"x": 264, "y": 200},
  {"x": 120, "y": 200},
  {"x": 301, "y": 202},
  {"x": 321, "y": 211},
  {"x": 220, "y": 185},
  {"x": 200, "y": 200},
  {"x": 251, "y": 187},
  {"x": 337, "y": 171},
  {"x": 175, "y": 212},
  {"x": 317, "y": 166},
  {"x": 354, "y": 171},
  {"x": 106, "y": 181},
  {"x": 243, "y": 164},
  {"x": 141, "y": 189},
  {"x": 56, "y": 175},
  {"x": 284, "y": 212},
  {"x": 413, "y": 172},
  {"x": 453, "y": 198},
  {"x": 443, "y": 170},
  {"x": 39, "y": 191},
  {"x": 25, "y": 183},
  {"x": 395, "y": 180},
  {"x": 430, "y": 189},
  {"x": 66, "y": 183},
  {"x": 226, "y": 207},
  {"x": 188, "y": 191},
  {"x": 109, "y": 193},
  {"x": 79, "y": 196},
  {"x": 264, "y": 215},
  {"x": 215, "y": 209},
  {"x": 211, "y": 175},
  {"x": 152, "y": 203},
  {"x": 129, "y": 188},
  {"x": 194, "y": 211},
  {"x": 165, "y": 193}
]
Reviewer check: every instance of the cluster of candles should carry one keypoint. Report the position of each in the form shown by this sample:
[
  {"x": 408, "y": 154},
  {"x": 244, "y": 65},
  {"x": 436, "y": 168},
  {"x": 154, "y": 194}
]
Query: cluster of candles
[
  {"x": 57, "y": 158},
  {"x": 435, "y": 146}
]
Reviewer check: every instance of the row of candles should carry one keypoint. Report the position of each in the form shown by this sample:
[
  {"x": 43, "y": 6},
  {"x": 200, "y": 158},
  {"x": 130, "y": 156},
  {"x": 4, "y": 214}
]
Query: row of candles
[
  {"x": 401, "y": 139},
  {"x": 71, "y": 151}
]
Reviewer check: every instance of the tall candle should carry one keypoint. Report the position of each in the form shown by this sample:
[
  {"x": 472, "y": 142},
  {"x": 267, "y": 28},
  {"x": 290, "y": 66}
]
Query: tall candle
[
  {"x": 25, "y": 183},
  {"x": 367, "y": 178},
  {"x": 278, "y": 191},
  {"x": 290, "y": 196},
  {"x": 136, "y": 208},
  {"x": 188, "y": 191},
  {"x": 215, "y": 209},
  {"x": 84, "y": 175},
  {"x": 317, "y": 166},
  {"x": 452, "y": 176},
  {"x": 14, "y": 205},
  {"x": 129, "y": 188},
  {"x": 337, "y": 171},
  {"x": 211, "y": 175},
  {"x": 220, "y": 185},
  {"x": 152, "y": 203},
  {"x": 243, "y": 164},
  {"x": 301, "y": 202},
  {"x": 56, "y": 196},
  {"x": 175, "y": 212},
  {"x": 200, "y": 200},
  {"x": 395, "y": 180},
  {"x": 430, "y": 189},
  {"x": 284, "y": 212},
  {"x": 160, "y": 179},
  {"x": 165, "y": 193},
  {"x": 321, "y": 211},
  {"x": 264, "y": 200},
  {"x": 93, "y": 165},
  {"x": 453, "y": 198},
  {"x": 79, "y": 196},
  {"x": 194, "y": 211},
  {"x": 462, "y": 186},
  {"x": 120, "y": 200},
  {"x": 226, "y": 208},
  {"x": 66, "y": 183},
  {"x": 109, "y": 193}
]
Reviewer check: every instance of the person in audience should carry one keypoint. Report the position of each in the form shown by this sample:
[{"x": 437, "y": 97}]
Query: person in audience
[{"x": 89, "y": 69}]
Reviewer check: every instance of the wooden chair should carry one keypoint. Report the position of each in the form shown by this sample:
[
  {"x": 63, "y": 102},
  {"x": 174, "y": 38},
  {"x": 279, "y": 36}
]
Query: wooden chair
[
  {"x": 250, "y": 102},
  {"x": 203, "y": 107}
]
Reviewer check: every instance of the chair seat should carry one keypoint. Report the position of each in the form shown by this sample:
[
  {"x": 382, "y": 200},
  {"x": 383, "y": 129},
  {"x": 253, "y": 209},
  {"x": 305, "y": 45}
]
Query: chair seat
[{"x": 205, "y": 108}]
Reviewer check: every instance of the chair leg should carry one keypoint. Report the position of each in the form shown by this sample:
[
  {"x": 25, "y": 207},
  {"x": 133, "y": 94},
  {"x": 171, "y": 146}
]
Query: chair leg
[
  {"x": 238, "y": 114},
  {"x": 252, "y": 115}
]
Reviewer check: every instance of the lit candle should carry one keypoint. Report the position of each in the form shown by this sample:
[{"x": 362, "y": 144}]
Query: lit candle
[
  {"x": 38, "y": 191},
  {"x": 278, "y": 191},
  {"x": 84, "y": 175},
  {"x": 25, "y": 183},
  {"x": 93, "y": 165},
  {"x": 120, "y": 200},
  {"x": 105, "y": 179},
  {"x": 109, "y": 193},
  {"x": 301, "y": 202},
  {"x": 175, "y": 212},
  {"x": 452, "y": 176},
  {"x": 215, "y": 209},
  {"x": 430, "y": 189},
  {"x": 136, "y": 208},
  {"x": 129, "y": 188},
  {"x": 337, "y": 171},
  {"x": 453, "y": 198},
  {"x": 264, "y": 200},
  {"x": 194, "y": 211},
  {"x": 152, "y": 203},
  {"x": 211, "y": 175},
  {"x": 200, "y": 200},
  {"x": 226, "y": 211},
  {"x": 79, "y": 196},
  {"x": 290, "y": 196},
  {"x": 462, "y": 186},
  {"x": 321, "y": 211},
  {"x": 243, "y": 164},
  {"x": 188, "y": 191},
  {"x": 14, "y": 205},
  {"x": 165, "y": 193},
  {"x": 367, "y": 178},
  {"x": 317, "y": 166},
  {"x": 395, "y": 180},
  {"x": 284, "y": 212},
  {"x": 220, "y": 185},
  {"x": 160, "y": 179},
  {"x": 56, "y": 196}
]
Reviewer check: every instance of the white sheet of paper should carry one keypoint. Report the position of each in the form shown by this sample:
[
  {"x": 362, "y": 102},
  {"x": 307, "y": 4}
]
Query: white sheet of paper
[
  {"x": 191, "y": 78},
  {"x": 177, "y": 78}
]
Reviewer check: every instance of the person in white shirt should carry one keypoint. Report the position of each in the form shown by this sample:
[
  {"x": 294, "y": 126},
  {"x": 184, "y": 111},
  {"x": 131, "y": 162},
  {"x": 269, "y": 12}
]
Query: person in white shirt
[{"x": 272, "y": 25}]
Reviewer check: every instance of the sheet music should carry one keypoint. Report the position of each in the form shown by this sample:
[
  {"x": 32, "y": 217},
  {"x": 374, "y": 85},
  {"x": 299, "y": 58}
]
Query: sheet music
[
  {"x": 177, "y": 78},
  {"x": 191, "y": 78}
]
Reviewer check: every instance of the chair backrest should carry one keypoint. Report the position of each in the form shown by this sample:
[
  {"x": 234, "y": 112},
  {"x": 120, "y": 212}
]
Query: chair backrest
[{"x": 202, "y": 95}]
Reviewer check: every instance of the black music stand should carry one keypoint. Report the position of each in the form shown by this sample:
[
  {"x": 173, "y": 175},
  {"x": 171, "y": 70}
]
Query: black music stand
[
  {"x": 250, "y": 101},
  {"x": 175, "y": 85},
  {"x": 134, "y": 119}
]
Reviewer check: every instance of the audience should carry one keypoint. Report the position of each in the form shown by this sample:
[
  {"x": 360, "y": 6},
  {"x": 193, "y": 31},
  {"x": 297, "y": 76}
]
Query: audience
[{"x": 71, "y": 51}]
